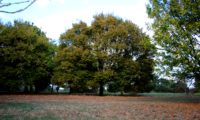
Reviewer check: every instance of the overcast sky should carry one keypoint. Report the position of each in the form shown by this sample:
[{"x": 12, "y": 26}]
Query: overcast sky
[{"x": 56, "y": 16}]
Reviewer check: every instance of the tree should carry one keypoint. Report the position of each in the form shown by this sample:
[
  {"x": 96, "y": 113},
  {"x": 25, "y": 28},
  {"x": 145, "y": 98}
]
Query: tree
[
  {"x": 109, "y": 51},
  {"x": 121, "y": 48},
  {"x": 74, "y": 59},
  {"x": 4, "y": 5},
  {"x": 164, "y": 85},
  {"x": 26, "y": 57},
  {"x": 176, "y": 33}
]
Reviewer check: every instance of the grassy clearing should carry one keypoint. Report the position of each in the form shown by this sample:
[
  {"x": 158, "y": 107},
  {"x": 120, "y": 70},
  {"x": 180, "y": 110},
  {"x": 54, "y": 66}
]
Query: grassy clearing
[
  {"x": 163, "y": 94},
  {"x": 197, "y": 94},
  {"x": 63, "y": 107}
]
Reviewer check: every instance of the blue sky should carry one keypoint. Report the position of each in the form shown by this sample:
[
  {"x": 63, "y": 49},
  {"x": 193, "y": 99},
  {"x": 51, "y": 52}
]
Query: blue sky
[{"x": 56, "y": 16}]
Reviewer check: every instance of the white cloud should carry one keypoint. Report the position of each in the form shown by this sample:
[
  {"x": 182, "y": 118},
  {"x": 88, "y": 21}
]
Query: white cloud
[
  {"x": 56, "y": 23},
  {"x": 42, "y": 3},
  {"x": 60, "y": 1},
  {"x": 45, "y": 3},
  {"x": 52, "y": 25},
  {"x": 2, "y": 15}
]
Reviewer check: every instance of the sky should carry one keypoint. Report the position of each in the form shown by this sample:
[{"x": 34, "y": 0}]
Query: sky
[{"x": 54, "y": 17}]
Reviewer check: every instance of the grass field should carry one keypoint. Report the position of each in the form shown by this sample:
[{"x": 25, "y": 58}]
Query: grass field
[{"x": 68, "y": 107}]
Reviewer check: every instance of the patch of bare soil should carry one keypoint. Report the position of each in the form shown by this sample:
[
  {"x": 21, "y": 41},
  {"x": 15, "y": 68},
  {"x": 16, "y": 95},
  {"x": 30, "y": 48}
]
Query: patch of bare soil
[{"x": 111, "y": 107}]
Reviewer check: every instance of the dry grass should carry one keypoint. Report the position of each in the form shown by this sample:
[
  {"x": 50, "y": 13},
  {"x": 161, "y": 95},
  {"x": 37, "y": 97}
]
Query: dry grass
[{"x": 64, "y": 107}]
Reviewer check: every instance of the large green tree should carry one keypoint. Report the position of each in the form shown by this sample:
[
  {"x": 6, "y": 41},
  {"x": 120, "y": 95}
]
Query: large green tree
[
  {"x": 110, "y": 51},
  {"x": 123, "y": 51},
  {"x": 176, "y": 25},
  {"x": 25, "y": 56},
  {"x": 74, "y": 60}
]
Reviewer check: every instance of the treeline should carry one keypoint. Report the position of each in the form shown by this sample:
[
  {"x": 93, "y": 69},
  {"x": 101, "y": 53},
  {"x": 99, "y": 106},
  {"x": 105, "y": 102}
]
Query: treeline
[
  {"x": 170, "y": 86},
  {"x": 110, "y": 52}
]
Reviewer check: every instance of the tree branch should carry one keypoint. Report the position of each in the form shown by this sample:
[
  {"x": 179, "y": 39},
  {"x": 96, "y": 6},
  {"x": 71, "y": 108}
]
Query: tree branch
[
  {"x": 9, "y": 4},
  {"x": 20, "y": 10}
]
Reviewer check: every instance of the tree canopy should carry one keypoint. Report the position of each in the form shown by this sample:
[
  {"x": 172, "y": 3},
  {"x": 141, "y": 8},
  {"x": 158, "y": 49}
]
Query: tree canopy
[
  {"x": 176, "y": 25},
  {"x": 110, "y": 51},
  {"x": 25, "y": 56}
]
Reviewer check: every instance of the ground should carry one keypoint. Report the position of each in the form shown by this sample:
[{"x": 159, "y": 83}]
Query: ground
[{"x": 71, "y": 107}]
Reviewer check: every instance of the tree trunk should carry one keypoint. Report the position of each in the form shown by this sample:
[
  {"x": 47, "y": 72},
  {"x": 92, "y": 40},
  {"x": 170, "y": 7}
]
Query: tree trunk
[
  {"x": 197, "y": 80},
  {"x": 52, "y": 89},
  {"x": 57, "y": 89},
  {"x": 36, "y": 89},
  {"x": 25, "y": 89},
  {"x": 31, "y": 88},
  {"x": 121, "y": 92},
  {"x": 101, "y": 89}
]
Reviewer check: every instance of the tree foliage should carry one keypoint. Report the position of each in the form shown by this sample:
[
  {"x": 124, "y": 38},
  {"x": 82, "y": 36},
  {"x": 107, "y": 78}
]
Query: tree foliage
[
  {"x": 25, "y": 56},
  {"x": 111, "y": 50},
  {"x": 74, "y": 59},
  {"x": 176, "y": 28}
]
